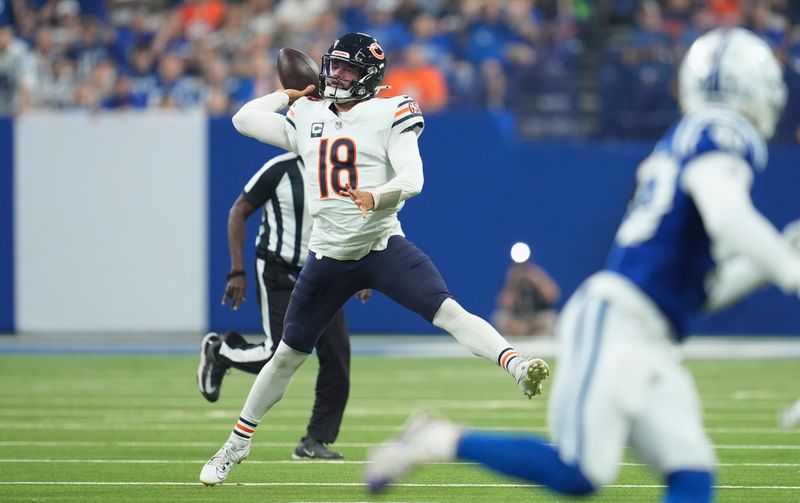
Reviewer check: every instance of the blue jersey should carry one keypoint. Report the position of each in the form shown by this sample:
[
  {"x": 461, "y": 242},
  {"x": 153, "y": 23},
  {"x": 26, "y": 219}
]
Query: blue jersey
[{"x": 661, "y": 245}]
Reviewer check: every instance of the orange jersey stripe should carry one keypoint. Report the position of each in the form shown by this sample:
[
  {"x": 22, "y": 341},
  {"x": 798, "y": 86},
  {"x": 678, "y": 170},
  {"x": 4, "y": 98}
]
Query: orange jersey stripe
[
  {"x": 291, "y": 112},
  {"x": 402, "y": 111}
]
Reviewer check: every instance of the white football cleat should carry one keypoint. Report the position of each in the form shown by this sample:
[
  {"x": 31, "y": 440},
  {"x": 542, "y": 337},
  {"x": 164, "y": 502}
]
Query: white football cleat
[
  {"x": 219, "y": 466},
  {"x": 423, "y": 439},
  {"x": 530, "y": 375}
]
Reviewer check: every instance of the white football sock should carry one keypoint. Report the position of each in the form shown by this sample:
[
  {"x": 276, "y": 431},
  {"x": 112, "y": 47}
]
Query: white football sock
[
  {"x": 477, "y": 335},
  {"x": 271, "y": 382}
]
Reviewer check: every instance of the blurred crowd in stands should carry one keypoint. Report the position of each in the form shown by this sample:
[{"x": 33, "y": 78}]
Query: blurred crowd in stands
[
  {"x": 563, "y": 68},
  {"x": 638, "y": 65}
]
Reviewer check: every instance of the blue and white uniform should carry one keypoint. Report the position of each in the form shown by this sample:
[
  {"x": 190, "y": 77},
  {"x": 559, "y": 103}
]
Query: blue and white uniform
[
  {"x": 691, "y": 239},
  {"x": 620, "y": 377},
  {"x": 662, "y": 246}
]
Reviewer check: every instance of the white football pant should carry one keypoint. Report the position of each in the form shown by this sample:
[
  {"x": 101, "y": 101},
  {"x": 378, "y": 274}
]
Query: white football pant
[{"x": 620, "y": 382}]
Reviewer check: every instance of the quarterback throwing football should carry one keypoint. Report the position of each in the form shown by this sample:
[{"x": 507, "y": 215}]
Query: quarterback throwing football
[{"x": 362, "y": 163}]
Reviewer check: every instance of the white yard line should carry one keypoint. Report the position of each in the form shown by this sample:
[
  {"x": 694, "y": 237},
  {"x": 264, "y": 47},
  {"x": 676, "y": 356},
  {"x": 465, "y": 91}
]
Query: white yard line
[
  {"x": 47, "y": 443},
  {"x": 388, "y": 345},
  {"x": 317, "y": 462},
  {"x": 343, "y": 484},
  {"x": 274, "y": 426}
]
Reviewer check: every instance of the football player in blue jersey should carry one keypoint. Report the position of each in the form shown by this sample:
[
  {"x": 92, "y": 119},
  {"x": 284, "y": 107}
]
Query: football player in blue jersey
[{"x": 691, "y": 241}]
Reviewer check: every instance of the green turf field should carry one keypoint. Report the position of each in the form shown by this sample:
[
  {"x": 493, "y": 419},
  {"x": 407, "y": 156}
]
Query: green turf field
[{"x": 135, "y": 428}]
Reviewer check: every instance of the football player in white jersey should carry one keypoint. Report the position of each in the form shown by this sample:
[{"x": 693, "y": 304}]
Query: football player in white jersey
[
  {"x": 362, "y": 163},
  {"x": 691, "y": 240}
]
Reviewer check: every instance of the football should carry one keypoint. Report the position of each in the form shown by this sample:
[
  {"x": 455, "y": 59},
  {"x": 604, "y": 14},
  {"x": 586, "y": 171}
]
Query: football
[{"x": 296, "y": 70}]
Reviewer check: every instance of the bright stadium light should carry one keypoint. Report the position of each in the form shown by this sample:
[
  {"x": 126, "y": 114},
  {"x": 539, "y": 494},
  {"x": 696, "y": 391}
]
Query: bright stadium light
[{"x": 520, "y": 252}]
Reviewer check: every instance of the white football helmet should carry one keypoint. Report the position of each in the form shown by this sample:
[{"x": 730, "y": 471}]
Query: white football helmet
[{"x": 733, "y": 67}]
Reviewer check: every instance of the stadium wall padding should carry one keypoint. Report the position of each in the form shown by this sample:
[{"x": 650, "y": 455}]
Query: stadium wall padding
[
  {"x": 6, "y": 226},
  {"x": 119, "y": 226},
  {"x": 110, "y": 222},
  {"x": 484, "y": 190}
]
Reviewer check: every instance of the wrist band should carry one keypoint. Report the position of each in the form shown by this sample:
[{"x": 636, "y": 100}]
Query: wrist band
[{"x": 235, "y": 274}]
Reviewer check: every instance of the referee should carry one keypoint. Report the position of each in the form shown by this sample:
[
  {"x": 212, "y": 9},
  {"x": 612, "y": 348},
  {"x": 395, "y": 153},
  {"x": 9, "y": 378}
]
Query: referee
[{"x": 282, "y": 246}]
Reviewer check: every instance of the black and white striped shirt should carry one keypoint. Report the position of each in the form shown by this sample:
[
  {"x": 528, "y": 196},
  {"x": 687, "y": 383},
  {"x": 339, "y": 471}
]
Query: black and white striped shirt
[{"x": 285, "y": 223}]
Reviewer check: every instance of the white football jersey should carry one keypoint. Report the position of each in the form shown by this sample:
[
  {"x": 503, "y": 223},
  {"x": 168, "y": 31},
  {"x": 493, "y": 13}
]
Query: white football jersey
[{"x": 349, "y": 147}]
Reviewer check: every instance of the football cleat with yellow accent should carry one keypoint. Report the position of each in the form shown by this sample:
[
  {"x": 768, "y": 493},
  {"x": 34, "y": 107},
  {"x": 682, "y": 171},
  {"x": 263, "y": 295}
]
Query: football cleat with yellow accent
[{"x": 531, "y": 373}]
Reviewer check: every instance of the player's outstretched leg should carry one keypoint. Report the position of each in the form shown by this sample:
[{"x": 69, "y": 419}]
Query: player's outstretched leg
[
  {"x": 267, "y": 390},
  {"x": 407, "y": 276},
  {"x": 483, "y": 340},
  {"x": 426, "y": 439}
]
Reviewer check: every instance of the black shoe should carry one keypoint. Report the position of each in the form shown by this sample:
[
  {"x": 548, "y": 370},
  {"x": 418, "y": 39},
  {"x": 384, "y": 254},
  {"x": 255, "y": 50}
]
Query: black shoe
[
  {"x": 210, "y": 371},
  {"x": 309, "y": 448}
]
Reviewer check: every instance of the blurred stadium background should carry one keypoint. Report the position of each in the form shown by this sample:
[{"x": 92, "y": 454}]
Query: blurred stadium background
[
  {"x": 118, "y": 160},
  {"x": 118, "y": 164}
]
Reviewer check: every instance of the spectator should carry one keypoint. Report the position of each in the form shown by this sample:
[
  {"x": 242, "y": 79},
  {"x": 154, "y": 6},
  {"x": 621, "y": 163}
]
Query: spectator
[
  {"x": 260, "y": 16},
  {"x": 44, "y": 55},
  {"x": 91, "y": 48},
  {"x": 54, "y": 84},
  {"x": 677, "y": 17},
  {"x": 221, "y": 87},
  {"x": 199, "y": 18},
  {"x": 101, "y": 81},
  {"x": 141, "y": 70},
  {"x": 175, "y": 89},
  {"x": 767, "y": 24},
  {"x": 134, "y": 32},
  {"x": 618, "y": 12},
  {"x": 234, "y": 34},
  {"x": 465, "y": 85},
  {"x": 438, "y": 44},
  {"x": 726, "y": 8},
  {"x": 494, "y": 85},
  {"x": 544, "y": 53},
  {"x": 296, "y": 20},
  {"x": 488, "y": 35},
  {"x": 419, "y": 79},
  {"x": 526, "y": 304},
  {"x": 122, "y": 97},
  {"x": 15, "y": 74},
  {"x": 6, "y": 14},
  {"x": 67, "y": 29},
  {"x": 259, "y": 79},
  {"x": 382, "y": 25}
]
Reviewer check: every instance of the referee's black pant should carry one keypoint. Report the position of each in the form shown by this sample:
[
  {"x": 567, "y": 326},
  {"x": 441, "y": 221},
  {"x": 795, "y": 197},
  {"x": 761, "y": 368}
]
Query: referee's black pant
[{"x": 276, "y": 280}]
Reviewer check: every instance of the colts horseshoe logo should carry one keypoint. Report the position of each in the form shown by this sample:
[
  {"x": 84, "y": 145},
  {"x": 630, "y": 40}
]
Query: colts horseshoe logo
[{"x": 376, "y": 50}]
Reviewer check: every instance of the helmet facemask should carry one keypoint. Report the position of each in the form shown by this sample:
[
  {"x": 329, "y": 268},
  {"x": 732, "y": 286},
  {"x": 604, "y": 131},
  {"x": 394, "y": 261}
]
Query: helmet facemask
[{"x": 339, "y": 89}]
